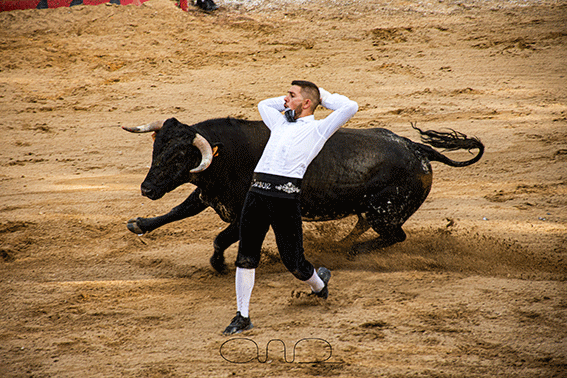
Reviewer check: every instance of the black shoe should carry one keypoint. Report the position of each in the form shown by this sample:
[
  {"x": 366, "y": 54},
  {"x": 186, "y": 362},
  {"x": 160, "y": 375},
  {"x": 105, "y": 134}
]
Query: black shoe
[
  {"x": 206, "y": 5},
  {"x": 238, "y": 324},
  {"x": 325, "y": 275}
]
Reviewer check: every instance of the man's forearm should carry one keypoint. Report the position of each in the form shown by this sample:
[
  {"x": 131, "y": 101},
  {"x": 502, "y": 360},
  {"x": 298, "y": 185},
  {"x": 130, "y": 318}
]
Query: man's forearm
[{"x": 270, "y": 109}]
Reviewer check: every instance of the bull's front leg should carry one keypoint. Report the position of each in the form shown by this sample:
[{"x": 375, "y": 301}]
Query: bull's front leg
[
  {"x": 225, "y": 239},
  {"x": 193, "y": 205}
]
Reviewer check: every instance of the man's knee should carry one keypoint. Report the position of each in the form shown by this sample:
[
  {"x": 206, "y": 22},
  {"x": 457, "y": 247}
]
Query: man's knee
[{"x": 247, "y": 262}]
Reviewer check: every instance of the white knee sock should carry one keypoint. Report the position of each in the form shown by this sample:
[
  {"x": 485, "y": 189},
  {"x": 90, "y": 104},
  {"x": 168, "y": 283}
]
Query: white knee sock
[
  {"x": 316, "y": 282},
  {"x": 244, "y": 285}
]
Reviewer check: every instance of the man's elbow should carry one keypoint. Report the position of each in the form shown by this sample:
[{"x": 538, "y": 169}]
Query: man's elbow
[{"x": 352, "y": 107}]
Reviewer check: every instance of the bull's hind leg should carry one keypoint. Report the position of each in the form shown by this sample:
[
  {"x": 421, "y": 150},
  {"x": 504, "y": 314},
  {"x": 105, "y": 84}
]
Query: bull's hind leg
[
  {"x": 360, "y": 228},
  {"x": 387, "y": 212}
]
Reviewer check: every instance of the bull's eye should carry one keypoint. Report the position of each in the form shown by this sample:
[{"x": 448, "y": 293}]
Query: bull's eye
[
  {"x": 172, "y": 153},
  {"x": 170, "y": 163},
  {"x": 174, "y": 158}
]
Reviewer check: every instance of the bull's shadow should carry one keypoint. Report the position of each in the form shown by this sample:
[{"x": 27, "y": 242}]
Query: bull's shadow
[{"x": 379, "y": 176}]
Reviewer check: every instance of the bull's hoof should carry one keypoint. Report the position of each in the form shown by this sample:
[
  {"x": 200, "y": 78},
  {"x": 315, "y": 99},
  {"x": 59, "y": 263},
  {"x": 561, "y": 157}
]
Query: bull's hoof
[
  {"x": 134, "y": 227},
  {"x": 218, "y": 264}
]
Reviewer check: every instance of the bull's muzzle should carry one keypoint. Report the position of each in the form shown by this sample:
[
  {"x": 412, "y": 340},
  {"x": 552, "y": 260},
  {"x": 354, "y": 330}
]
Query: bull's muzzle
[{"x": 149, "y": 191}]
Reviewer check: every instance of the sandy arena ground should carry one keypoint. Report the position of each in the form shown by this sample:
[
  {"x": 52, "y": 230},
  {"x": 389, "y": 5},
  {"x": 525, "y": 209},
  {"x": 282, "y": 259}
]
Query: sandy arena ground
[{"x": 477, "y": 290}]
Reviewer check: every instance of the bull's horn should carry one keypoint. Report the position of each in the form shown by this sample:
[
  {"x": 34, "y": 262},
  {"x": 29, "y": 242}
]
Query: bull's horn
[
  {"x": 206, "y": 153},
  {"x": 154, "y": 126}
]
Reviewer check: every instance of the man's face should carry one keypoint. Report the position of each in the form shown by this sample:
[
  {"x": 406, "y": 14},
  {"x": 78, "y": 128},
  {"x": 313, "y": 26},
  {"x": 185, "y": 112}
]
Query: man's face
[{"x": 294, "y": 100}]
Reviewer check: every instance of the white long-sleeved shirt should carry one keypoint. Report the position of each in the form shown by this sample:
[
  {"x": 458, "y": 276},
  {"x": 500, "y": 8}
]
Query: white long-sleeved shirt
[{"x": 293, "y": 145}]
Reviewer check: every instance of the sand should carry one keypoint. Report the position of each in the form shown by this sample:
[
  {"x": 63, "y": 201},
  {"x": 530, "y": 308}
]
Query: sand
[{"x": 478, "y": 288}]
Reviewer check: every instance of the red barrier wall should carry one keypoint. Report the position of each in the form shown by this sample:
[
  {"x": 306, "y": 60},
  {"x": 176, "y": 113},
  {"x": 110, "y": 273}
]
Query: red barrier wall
[{"x": 8, "y": 5}]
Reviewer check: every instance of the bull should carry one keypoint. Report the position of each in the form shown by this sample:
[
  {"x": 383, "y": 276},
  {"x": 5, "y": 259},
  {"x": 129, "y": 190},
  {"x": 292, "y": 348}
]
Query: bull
[{"x": 381, "y": 177}]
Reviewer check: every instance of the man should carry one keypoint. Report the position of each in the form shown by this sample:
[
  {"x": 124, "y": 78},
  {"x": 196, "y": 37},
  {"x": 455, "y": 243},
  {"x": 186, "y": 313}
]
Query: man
[{"x": 273, "y": 199}]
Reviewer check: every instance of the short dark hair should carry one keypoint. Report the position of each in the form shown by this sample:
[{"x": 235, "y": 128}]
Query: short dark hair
[{"x": 310, "y": 90}]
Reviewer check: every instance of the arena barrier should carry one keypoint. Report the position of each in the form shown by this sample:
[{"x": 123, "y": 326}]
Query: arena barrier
[{"x": 10, "y": 5}]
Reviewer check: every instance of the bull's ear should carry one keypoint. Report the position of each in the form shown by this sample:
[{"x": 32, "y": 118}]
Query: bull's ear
[{"x": 217, "y": 147}]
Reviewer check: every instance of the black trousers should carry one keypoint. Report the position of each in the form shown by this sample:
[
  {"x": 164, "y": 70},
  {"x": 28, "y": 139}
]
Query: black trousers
[{"x": 284, "y": 215}]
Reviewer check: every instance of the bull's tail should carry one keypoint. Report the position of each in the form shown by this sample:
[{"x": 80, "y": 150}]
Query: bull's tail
[{"x": 450, "y": 141}]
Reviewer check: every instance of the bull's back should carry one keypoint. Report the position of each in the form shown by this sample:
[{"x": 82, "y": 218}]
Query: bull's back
[{"x": 354, "y": 164}]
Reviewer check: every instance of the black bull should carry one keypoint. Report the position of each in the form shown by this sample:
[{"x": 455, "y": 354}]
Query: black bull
[{"x": 373, "y": 173}]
